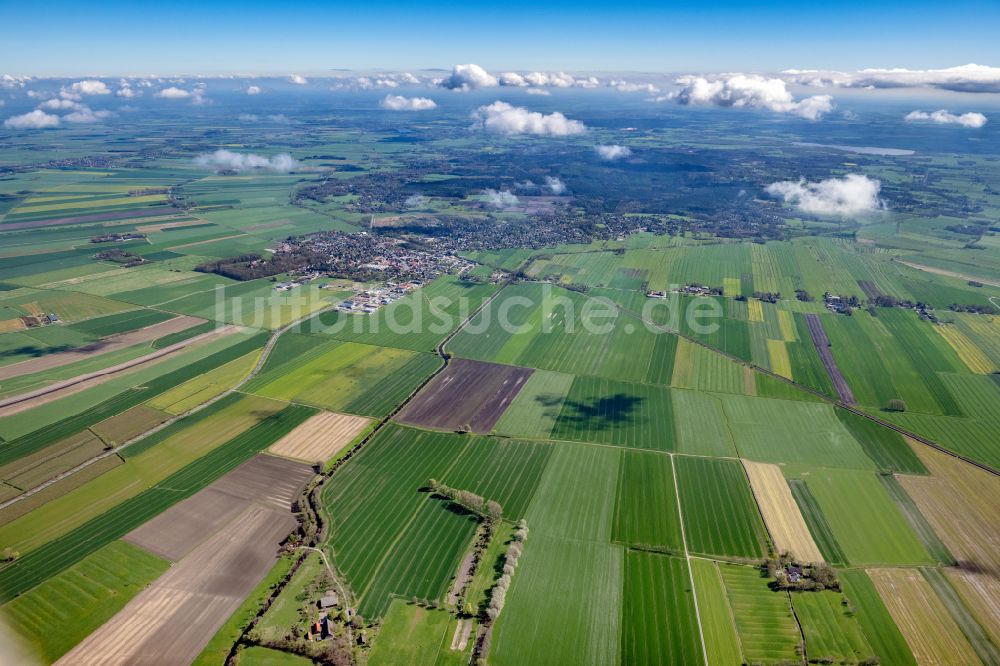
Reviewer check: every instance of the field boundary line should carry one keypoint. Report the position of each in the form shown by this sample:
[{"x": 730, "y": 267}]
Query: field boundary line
[
  {"x": 313, "y": 503},
  {"x": 819, "y": 394},
  {"x": 261, "y": 360},
  {"x": 687, "y": 561}
]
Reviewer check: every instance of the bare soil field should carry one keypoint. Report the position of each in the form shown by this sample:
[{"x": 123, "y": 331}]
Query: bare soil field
[
  {"x": 923, "y": 619},
  {"x": 172, "y": 620},
  {"x": 321, "y": 437},
  {"x": 781, "y": 513},
  {"x": 962, "y": 503},
  {"x": 822, "y": 344},
  {"x": 468, "y": 393},
  {"x": 266, "y": 481},
  {"x": 102, "y": 346}
]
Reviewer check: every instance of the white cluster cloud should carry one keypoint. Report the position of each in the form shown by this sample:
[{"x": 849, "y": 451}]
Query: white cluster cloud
[
  {"x": 253, "y": 90},
  {"x": 555, "y": 185},
  {"x": 11, "y": 81},
  {"x": 227, "y": 160},
  {"x": 748, "y": 90},
  {"x": 89, "y": 87},
  {"x": 126, "y": 90},
  {"x": 469, "y": 77},
  {"x": 59, "y": 104},
  {"x": 612, "y": 152},
  {"x": 376, "y": 81},
  {"x": 416, "y": 201},
  {"x": 173, "y": 92},
  {"x": 501, "y": 199},
  {"x": 40, "y": 118},
  {"x": 36, "y": 119},
  {"x": 971, "y": 120},
  {"x": 964, "y": 78},
  {"x": 298, "y": 80},
  {"x": 546, "y": 80},
  {"x": 472, "y": 77},
  {"x": 400, "y": 103},
  {"x": 196, "y": 95},
  {"x": 85, "y": 115},
  {"x": 622, "y": 85},
  {"x": 854, "y": 194},
  {"x": 503, "y": 118}
]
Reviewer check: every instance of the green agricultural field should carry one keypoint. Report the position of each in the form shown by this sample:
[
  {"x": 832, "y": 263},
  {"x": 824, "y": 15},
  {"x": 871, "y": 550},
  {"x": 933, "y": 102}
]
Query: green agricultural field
[
  {"x": 882, "y": 633},
  {"x": 55, "y": 556},
  {"x": 262, "y": 656},
  {"x": 120, "y": 323},
  {"x": 390, "y": 537},
  {"x": 81, "y": 598},
  {"x": 344, "y": 376},
  {"x": 613, "y": 412},
  {"x": 720, "y": 516},
  {"x": 575, "y": 499},
  {"x": 414, "y": 635},
  {"x": 701, "y": 424},
  {"x": 696, "y": 367},
  {"x": 722, "y": 646},
  {"x": 764, "y": 622},
  {"x": 564, "y": 604},
  {"x": 555, "y": 329},
  {"x": 34, "y": 429},
  {"x": 534, "y": 410},
  {"x": 148, "y": 462},
  {"x": 867, "y": 524},
  {"x": 659, "y": 625},
  {"x": 818, "y": 526},
  {"x": 886, "y": 447},
  {"x": 783, "y": 431},
  {"x": 829, "y": 627},
  {"x": 646, "y": 510},
  {"x": 418, "y": 322},
  {"x": 506, "y": 471}
]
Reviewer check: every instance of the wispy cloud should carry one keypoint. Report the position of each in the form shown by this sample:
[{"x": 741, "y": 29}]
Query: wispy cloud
[{"x": 970, "y": 78}]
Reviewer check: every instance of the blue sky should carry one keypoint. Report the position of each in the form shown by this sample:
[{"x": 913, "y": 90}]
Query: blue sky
[{"x": 61, "y": 38}]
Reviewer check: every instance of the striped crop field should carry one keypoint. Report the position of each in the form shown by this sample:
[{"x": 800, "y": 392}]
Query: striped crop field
[
  {"x": 973, "y": 357},
  {"x": 646, "y": 509},
  {"x": 830, "y": 627},
  {"x": 764, "y": 621},
  {"x": 720, "y": 516},
  {"x": 722, "y": 646},
  {"x": 659, "y": 625}
]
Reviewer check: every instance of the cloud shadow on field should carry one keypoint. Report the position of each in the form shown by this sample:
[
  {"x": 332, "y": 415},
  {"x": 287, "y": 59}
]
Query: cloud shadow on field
[
  {"x": 35, "y": 351},
  {"x": 600, "y": 413}
]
